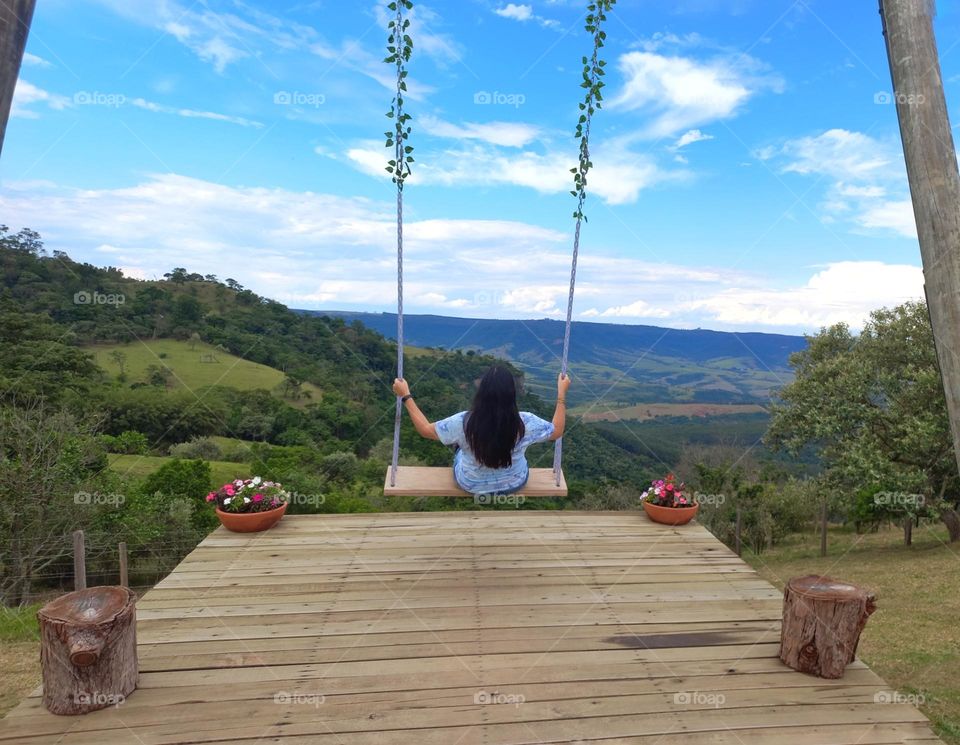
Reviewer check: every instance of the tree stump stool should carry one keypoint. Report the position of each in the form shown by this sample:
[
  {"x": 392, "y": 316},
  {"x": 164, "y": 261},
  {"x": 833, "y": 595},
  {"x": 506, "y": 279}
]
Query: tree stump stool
[
  {"x": 88, "y": 649},
  {"x": 822, "y": 621}
]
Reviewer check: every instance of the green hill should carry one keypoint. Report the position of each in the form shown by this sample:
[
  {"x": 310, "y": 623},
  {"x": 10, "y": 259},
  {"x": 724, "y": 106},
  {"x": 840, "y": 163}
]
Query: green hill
[{"x": 194, "y": 365}]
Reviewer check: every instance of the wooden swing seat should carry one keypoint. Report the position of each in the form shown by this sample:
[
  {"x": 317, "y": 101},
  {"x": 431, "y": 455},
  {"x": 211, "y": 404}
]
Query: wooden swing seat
[{"x": 425, "y": 481}]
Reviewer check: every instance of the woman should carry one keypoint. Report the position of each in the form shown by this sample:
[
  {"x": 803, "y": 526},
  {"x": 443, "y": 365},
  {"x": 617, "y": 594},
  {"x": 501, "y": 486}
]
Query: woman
[{"x": 492, "y": 437}]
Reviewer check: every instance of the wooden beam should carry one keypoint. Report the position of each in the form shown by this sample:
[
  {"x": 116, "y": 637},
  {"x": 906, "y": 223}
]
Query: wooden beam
[
  {"x": 934, "y": 180},
  {"x": 15, "y": 18}
]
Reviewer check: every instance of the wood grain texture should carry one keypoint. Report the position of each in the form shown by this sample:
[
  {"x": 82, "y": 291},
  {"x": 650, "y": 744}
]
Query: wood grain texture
[{"x": 474, "y": 628}]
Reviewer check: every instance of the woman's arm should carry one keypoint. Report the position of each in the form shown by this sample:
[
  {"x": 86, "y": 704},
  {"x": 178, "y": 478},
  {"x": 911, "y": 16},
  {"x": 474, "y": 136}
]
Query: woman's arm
[
  {"x": 560, "y": 412},
  {"x": 423, "y": 425}
]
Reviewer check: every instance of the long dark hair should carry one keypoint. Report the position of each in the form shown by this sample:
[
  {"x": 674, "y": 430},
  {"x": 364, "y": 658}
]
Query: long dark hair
[{"x": 494, "y": 426}]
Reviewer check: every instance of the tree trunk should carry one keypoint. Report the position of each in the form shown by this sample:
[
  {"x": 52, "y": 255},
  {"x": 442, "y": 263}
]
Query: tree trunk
[
  {"x": 822, "y": 621},
  {"x": 951, "y": 518},
  {"x": 88, "y": 649},
  {"x": 908, "y": 531}
]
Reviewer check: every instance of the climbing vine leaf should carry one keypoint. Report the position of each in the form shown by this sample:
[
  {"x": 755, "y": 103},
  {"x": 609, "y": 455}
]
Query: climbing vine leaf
[{"x": 399, "y": 49}]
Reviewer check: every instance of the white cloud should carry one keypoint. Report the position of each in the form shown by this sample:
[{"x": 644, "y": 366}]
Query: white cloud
[
  {"x": 618, "y": 176},
  {"x": 27, "y": 94},
  {"x": 839, "y": 153},
  {"x": 680, "y": 92},
  {"x": 866, "y": 178},
  {"x": 506, "y": 134},
  {"x": 32, "y": 60},
  {"x": 516, "y": 12},
  {"x": 636, "y": 309},
  {"x": 193, "y": 114},
  {"x": 844, "y": 291},
  {"x": 689, "y": 137}
]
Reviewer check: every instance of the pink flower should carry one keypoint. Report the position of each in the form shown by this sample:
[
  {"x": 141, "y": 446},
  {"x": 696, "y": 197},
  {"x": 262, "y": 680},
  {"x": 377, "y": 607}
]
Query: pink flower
[
  {"x": 229, "y": 490},
  {"x": 211, "y": 496},
  {"x": 258, "y": 497}
]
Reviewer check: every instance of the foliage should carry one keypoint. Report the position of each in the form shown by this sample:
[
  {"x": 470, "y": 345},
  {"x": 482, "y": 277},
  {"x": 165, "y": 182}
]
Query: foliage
[
  {"x": 400, "y": 47},
  {"x": 873, "y": 406},
  {"x": 592, "y": 73},
  {"x": 52, "y": 481},
  {"x": 130, "y": 442},
  {"x": 200, "y": 447}
]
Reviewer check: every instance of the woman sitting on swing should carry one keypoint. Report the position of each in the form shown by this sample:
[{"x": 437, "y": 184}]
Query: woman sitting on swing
[{"x": 492, "y": 437}]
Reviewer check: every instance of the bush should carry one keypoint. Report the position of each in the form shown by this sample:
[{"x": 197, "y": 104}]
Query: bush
[
  {"x": 183, "y": 484},
  {"x": 129, "y": 442},
  {"x": 199, "y": 447}
]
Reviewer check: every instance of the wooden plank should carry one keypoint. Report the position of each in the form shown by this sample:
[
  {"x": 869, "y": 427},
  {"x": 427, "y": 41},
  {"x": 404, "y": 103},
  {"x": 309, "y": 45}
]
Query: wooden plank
[{"x": 426, "y": 481}]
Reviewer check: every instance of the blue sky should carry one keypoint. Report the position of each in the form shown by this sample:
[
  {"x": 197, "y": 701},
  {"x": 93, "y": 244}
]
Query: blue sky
[{"x": 748, "y": 167}]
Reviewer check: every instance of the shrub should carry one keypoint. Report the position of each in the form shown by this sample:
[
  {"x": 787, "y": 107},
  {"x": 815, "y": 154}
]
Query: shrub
[{"x": 199, "y": 447}]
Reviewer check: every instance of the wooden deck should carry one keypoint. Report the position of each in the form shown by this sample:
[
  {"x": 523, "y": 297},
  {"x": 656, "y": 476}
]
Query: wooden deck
[{"x": 472, "y": 628}]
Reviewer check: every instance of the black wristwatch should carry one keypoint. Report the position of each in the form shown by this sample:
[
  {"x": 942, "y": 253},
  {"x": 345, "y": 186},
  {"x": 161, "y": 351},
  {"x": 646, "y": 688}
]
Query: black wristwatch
[{"x": 404, "y": 399}]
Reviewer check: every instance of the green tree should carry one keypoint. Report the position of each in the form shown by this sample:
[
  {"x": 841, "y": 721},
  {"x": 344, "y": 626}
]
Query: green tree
[{"x": 873, "y": 406}]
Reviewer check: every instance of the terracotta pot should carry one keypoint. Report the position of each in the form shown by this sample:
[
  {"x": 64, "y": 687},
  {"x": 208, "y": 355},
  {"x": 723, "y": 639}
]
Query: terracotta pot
[
  {"x": 251, "y": 522},
  {"x": 669, "y": 515}
]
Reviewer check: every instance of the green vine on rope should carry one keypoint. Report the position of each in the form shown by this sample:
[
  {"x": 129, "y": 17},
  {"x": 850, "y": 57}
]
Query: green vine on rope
[
  {"x": 592, "y": 73},
  {"x": 400, "y": 47}
]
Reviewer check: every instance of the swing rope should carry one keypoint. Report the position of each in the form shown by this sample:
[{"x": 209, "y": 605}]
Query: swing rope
[
  {"x": 592, "y": 72},
  {"x": 400, "y": 46}
]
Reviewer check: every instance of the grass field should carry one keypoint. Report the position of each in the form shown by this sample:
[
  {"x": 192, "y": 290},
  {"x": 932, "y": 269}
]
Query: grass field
[
  {"x": 913, "y": 639},
  {"x": 139, "y": 466},
  {"x": 643, "y": 412},
  {"x": 19, "y": 654},
  {"x": 188, "y": 368}
]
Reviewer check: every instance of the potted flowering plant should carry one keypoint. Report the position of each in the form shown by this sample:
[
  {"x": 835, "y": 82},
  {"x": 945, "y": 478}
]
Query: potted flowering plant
[
  {"x": 666, "y": 502},
  {"x": 249, "y": 505}
]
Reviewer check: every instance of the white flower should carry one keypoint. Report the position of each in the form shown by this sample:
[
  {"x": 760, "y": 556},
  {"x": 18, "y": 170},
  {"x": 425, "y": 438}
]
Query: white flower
[
  {"x": 256, "y": 480},
  {"x": 246, "y": 500},
  {"x": 227, "y": 500},
  {"x": 238, "y": 482}
]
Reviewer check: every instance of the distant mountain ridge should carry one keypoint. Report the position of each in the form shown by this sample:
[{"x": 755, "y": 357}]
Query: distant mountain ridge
[{"x": 641, "y": 363}]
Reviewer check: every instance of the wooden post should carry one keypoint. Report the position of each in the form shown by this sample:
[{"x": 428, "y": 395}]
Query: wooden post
[
  {"x": 124, "y": 576},
  {"x": 737, "y": 532},
  {"x": 15, "y": 18},
  {"x": 823, "y": 528},
  {"x": 79, "y": 561},
  {"x": 934, "y": 180}
]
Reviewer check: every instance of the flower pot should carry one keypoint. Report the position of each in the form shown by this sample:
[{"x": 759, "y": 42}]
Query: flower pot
[
  {"x": 670, "y": 515},
  {"x": 251, "y": 522}
]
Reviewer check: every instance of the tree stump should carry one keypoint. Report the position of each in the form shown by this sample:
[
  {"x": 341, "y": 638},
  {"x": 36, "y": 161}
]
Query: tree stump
[
  {"x": 822, "y": 621},
  {"x": 88, "y": 649}
]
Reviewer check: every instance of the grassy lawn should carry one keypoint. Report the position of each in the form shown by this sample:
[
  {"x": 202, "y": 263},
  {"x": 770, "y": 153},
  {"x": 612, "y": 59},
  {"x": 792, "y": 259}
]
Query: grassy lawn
[
  {"x": 139, "y": 466},
  {"x": 913, "y": 639},
  {"x": 188, "y": 368},
  {"x": 19, "y": 654}
]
